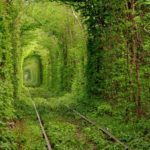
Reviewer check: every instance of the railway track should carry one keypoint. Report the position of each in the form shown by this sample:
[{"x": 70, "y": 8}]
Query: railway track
[
  {"x": 45, "y": 137},
  {"x": 48, "y": 145},
  {"x": 126, "y": 147},
  {"x": 106, "y": 132}
]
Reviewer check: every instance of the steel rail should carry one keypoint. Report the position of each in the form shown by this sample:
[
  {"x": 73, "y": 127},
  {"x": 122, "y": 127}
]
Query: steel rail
[
  {"x": 100, "y": 128},
  {"x": 48, "y": 145},
  {"x": 42, "y": 127}
]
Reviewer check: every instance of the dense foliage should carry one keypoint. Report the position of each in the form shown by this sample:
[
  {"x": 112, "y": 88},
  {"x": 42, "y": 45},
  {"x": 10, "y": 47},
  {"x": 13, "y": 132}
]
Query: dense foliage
[
  {"x": 100, "y": 66},
  {"x": 118, "y": 46}
]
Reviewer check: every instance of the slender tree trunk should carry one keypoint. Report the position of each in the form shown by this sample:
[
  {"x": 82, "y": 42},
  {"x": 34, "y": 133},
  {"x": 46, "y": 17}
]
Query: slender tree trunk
[{"x": 134, "y": 59}]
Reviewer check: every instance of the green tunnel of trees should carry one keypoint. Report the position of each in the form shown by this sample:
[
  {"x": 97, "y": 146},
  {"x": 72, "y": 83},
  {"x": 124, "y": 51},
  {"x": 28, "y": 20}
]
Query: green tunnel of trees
[{"x": 99, "y": 53}]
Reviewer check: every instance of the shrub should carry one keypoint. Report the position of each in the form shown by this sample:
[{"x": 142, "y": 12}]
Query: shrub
[{"x": 104, "y": 109}]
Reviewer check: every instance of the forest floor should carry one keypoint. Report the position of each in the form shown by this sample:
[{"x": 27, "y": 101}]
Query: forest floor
[{"x": 67, "y": 131}]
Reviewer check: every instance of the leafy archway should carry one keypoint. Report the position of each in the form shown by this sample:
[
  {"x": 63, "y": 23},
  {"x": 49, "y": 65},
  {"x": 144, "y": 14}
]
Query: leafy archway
[{"x": 103, "y": 64}]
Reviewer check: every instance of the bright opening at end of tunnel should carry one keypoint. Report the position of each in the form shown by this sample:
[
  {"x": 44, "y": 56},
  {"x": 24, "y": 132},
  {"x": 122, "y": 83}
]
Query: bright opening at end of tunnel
[{"x": 32, "y": 71}]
